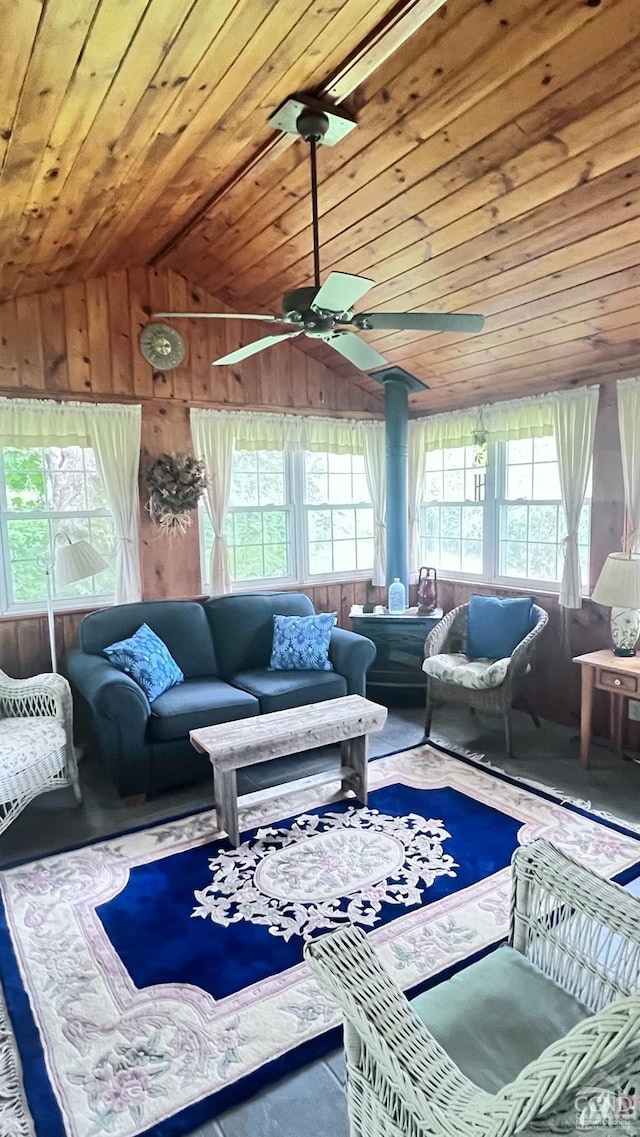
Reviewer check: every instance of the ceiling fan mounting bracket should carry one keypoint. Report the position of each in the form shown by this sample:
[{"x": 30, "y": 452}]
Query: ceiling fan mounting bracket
[{"x": 303, "y": 116}]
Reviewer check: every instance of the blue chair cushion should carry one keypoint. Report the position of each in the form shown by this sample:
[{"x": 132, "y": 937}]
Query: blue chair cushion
[
  {"x": 196, "y": 703},
  {"x": 147, "y": 660},
  {"x": 301, "y": 643},
  {"x": 498, "y": 1015},
  {"x": 279, "y": 690},
  {"x": 496, "y": 626}
]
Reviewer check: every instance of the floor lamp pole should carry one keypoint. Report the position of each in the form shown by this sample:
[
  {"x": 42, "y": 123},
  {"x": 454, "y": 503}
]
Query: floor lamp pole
[{"x": 50, "y": 619}]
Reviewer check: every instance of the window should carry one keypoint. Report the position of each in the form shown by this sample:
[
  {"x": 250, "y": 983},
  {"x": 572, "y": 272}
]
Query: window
[
  {"x": 452, "y": 520},
  {"x": 495, "y": 513},
  {"x": 293, "y": 516},
  {"x": 339, "y": 514},
  {"x": 43, "y": 492},
  {"x": 532, "y": 527}
]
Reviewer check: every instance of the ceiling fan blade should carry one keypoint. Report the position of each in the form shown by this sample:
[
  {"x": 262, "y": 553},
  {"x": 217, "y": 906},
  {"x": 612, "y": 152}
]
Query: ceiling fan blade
[
  {"x": 357, "y": 351},
  {"x": 340, "y": 292},
  {"x": 420, "y": 321},
  {"x": 220, "y": 316},
  {"x": 252, "y": 348}
]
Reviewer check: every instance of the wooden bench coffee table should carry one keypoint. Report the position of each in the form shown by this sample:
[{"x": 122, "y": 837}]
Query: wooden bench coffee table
[{"x": 231, "y": 746}]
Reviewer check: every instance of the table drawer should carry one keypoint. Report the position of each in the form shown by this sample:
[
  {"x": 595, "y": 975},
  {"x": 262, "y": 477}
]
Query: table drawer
[{"x": 617, "y": 681}]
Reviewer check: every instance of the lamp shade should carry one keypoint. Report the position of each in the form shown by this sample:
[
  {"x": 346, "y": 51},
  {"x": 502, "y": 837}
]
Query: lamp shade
[
  {"x": 618, "y": 585},
  {"x": 77, "y": 560}
]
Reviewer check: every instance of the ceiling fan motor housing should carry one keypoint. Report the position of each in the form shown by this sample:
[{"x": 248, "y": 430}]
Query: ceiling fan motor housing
[{"x": 296, "y": 307}]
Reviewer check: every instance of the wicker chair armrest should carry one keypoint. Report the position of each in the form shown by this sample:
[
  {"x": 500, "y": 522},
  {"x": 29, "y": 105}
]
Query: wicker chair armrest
[
  {"x": 438, "y": 638},
  {"x": 40, "y": 695},
  {"x": 581, "y": 930},
  {"x": 603, "y": 1050},
  {"x": 406, "y": 1054},
  {"x": 522, "y": 652}
]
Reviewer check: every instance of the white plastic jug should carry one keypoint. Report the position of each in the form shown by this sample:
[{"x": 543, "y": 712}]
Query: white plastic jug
[{"x": 397, "y": 596}]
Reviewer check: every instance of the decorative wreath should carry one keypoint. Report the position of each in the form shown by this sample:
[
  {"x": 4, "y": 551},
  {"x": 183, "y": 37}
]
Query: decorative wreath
[{"x": 175, "y": 483}]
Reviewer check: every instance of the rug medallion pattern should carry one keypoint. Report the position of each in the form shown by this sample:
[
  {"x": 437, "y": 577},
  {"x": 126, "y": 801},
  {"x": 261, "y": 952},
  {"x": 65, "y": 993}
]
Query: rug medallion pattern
[{"x": 157, "y": 969}]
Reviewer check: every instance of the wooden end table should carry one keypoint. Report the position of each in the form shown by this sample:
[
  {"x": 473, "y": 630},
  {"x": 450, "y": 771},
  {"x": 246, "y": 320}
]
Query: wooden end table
[
  {"x": 232, "y": 746},
  {"x": 620, "y": 676}
]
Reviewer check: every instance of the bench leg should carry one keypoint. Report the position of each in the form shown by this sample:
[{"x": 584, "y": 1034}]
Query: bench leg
[
  {"x": 225, "y": 794},
  {"x": 354, "y": 757}
]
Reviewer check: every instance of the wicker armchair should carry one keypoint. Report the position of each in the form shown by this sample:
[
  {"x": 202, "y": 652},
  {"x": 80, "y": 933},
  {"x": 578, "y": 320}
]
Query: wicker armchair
[
  {"x": 36, "y": 741},
  {"x": 449, "y": 637},
  {"x": 579, "y": 931}
]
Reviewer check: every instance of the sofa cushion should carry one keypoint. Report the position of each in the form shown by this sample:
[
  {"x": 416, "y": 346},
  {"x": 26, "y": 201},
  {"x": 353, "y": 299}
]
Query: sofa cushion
[
  {"x": 180, "y": 624},
  {"x": 242, "y": 626},
  {"x": 458, "y": 669},
  {"x": 146, "y": 659},
  {"x": 497, "y": 625},
  {"x": 279, "y": 690},
  {"x": 195, "y": 703},
  {"x": 496, "y": 1016},
  {"x": 301, "y": 643}
]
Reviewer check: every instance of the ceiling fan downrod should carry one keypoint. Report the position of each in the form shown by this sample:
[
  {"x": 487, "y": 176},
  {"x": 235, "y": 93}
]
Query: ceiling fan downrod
[{"x": 312, "y": 127}]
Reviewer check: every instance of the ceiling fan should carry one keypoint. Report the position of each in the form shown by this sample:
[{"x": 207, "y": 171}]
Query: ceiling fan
[{"x": 325, "y": 311}]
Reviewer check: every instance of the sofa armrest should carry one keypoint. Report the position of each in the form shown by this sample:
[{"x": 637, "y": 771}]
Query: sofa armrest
[
  {"x": 351, "y": 656},
  {"x": 119, "y": 711}
]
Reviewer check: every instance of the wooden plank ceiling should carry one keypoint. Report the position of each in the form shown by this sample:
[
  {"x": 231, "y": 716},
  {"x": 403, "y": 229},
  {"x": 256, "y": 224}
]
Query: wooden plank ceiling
[{"x": 495, "y": 167}]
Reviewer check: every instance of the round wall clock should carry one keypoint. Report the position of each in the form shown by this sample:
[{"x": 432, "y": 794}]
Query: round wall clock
[{"x": 162, "y": 346}]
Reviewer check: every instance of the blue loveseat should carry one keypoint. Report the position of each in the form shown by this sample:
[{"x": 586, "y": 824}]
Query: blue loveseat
[{"x": 223, "y": 648}]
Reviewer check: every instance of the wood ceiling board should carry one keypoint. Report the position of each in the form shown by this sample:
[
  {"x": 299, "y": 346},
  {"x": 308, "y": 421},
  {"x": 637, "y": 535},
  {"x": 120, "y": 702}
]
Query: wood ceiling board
[
  {"x": 19, "y": 28},
  {"x": 101, "y": 159},
  {"x": 449, "y": 119},
  {"x": 386, "y": 95},
  {"x": 306, "y": 49},
  {"x": 538, "y": 174}
]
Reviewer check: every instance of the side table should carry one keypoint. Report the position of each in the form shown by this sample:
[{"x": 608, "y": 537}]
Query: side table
[
  {"x": 620, "y": 676},
  {"x": 399, "y": 639}
]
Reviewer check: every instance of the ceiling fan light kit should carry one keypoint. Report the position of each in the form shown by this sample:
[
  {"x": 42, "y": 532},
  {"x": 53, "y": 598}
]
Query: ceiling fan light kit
[{"x": 326, "y": 311}]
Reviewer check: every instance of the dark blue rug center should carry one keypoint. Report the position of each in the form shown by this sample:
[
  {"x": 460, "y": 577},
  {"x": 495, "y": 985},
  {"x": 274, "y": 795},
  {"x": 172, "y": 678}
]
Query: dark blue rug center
[{"x": 153, "y": 932}]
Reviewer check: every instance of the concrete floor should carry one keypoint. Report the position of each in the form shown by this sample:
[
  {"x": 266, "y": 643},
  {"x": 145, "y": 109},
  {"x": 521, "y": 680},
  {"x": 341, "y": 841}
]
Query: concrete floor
[{"x": 312, "y": 1100}]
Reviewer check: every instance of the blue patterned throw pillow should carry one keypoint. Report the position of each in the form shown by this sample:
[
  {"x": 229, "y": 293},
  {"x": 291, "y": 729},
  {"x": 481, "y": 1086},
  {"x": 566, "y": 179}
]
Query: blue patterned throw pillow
[
  {"x": 148, "y": 660},
  {"x": 301, "y": 643}
]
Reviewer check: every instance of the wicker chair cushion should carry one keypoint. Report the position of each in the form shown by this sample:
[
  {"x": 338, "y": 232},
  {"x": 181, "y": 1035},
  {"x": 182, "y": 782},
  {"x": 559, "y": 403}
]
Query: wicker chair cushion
[
  {"x": 30, "y": 749},
  {"x": 464, "y": 672},
  {"x": 498, "y": 1015}
]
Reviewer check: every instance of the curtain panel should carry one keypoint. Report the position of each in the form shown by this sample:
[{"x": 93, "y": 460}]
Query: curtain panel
[
  {"x": 113, "y": 432},
  {"x": 213, "y": 439},
  {"x": 629, "y": 423},
  {"x": 574, "y": 429},
  {"x": 255, "y": 431}
]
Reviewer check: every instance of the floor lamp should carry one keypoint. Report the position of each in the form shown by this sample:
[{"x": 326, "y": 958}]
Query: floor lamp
[{"x": 71, "y": 561}]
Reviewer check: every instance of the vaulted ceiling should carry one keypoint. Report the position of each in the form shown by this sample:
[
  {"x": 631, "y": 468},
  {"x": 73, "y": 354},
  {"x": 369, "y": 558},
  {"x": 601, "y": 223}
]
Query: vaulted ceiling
[{"x": 495, "y": 167}]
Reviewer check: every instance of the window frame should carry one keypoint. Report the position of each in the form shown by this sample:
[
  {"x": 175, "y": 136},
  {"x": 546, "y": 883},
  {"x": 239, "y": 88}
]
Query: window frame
[
  {"x": 297, "y": 507},
  {"x": 14, "y": 608},
  {"x": 494, "y": 501}
]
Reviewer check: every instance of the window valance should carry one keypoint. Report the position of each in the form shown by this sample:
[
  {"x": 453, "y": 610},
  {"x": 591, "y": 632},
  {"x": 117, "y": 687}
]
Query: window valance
[
  {"x": 256, "y": 431},
  {"x": 533, "y": 417}
]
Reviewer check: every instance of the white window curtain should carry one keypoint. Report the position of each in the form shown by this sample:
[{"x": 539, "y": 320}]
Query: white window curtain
[
  {"x": 113, "y": 432},
  {"x": 574, "y": 425},
  {"x": 373, "y": 442},
  {"x": 213, "y": 439},
  {"x": 416, "y": 489},
  {"x": 500, "y": 422},
  {"x": 629, "y": 422}
]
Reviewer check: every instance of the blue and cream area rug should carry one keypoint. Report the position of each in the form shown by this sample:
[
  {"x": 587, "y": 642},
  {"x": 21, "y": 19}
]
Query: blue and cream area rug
[{"x": 155, "y": 978}]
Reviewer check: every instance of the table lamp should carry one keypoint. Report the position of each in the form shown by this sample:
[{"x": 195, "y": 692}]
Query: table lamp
[
  {"x": 618, "y": 587},
  {"x": 72, "y": 561}
]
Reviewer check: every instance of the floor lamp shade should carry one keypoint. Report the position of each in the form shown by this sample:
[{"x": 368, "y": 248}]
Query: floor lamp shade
[
  {"x": 618, "y": 587},
  {"x": 76, "y": 561}
]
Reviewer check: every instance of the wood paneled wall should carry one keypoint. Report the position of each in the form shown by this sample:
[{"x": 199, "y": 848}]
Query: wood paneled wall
[{"x": 81, "y": 342}]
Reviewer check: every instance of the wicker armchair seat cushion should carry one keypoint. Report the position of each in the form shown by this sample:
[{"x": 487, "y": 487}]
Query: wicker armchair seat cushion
[
  {"x": 459, "y": 669},
  {"x": 27, "y": 746},
  {"x": 498, "y": 1015}
]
